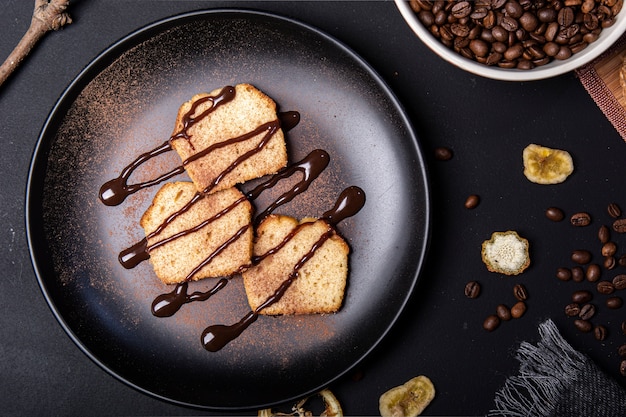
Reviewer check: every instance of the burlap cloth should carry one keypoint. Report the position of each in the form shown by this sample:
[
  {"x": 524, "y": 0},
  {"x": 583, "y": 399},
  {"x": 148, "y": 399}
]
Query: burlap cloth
[
  {"x": 601, "y": 79},
  {"x": 556, "y": 380}
]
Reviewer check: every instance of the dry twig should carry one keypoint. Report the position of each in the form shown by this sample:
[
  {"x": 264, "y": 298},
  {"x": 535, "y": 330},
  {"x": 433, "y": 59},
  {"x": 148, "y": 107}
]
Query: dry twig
[{"x": 48, "y": 15}]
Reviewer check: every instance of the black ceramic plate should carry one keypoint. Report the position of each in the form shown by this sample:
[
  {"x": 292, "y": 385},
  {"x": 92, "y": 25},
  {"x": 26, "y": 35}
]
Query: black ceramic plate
[{"x": 124, "y": 103}]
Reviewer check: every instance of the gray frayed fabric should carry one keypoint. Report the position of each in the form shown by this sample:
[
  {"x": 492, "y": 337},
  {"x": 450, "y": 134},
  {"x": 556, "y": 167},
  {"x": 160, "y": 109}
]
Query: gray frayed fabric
[{"x": 556, "y": 380}]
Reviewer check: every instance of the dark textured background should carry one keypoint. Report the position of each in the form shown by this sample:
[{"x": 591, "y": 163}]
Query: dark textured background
[{"x": 487, "y": 124}]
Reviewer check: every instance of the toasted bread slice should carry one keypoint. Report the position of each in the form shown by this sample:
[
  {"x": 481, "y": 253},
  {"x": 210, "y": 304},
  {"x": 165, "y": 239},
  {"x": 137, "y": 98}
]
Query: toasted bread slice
[
  {"x": 321, "y": 281},
  {"x": 175, "y": 260},
  {"x": 245, "y": 112}
]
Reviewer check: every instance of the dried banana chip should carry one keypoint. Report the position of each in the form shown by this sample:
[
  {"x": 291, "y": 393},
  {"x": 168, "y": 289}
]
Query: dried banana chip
[
  {"x": 544, "y": 165},
  {"x": 407, "y": 400},
  {"x": 332, "y": 407},
  {"x": 506, "y": 253}
]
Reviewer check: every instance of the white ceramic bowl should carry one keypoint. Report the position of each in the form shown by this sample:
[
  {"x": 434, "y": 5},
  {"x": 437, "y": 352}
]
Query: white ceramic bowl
[{"x": 607, "y": 37}]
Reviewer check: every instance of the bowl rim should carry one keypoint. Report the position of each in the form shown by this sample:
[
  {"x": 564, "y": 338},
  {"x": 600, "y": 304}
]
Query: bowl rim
[{"x": 607, "y": 38}]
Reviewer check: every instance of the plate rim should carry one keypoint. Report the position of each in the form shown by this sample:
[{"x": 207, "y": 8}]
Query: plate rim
[{"x": 112, "y": 52}]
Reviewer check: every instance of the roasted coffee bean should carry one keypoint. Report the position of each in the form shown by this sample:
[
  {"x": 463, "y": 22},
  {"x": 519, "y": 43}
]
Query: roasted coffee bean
[
  {"x": 593, "y": 272},
  {"x": 520, "y": 293},
  {"x": 600, "y": 332},
  {"x": 622, "y": 367},
  {"x": 605, "y": 287},
  {"x": 622, "y": 260},
  {"x": 551, "y": 48},
  {"x": 587, "y": 6},
  {"x": 479, "y": 47},
  {"x": 564, "y": 53},
  {"x": 609, "y": 249},
  {"x": 587, "y": 311},
  {"x": 472, "y": 201},
  {"x": 581, "y": 256},
  {"x": 621, "y": 350},
  {"x": 570, "y": 24},
  {"x": 565, "y": 16},
  {"x": 580, "y": 219},
  {"x": 614, "y": 302},
  {"x": 503, "y": 312},
  {"x": 529, "y": 21},
  {"x": 555, "y": 214},
  {"x": 609, "y": 262},
  {"x": 472, "y": 289},
  {"x": 461, "y": 10},
  {"x": 564, "y": 274},
  {"x": 547, "y": 14},
  {"x": 619, "y": 225},
  {"x": 583, "y": 325},
  {"x": 518, "y": 309},
  {"x": 578, "y": 274},
  {"x": 491, "y": 323},
  {"x": 623, "y": 327},
  {"x": 619, "y": 282},
  {"x": 614, "y": 210},
  {"x": 572, "y": 309},
  {"x": 443, "y": 153},
  {"x": 604, "y": 234},
  {"x": 419, "y": 5},
  {"x": 581, "y": 296}
]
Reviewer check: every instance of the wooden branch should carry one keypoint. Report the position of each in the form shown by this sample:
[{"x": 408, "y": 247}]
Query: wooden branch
[{"x": 48, "y": 15}]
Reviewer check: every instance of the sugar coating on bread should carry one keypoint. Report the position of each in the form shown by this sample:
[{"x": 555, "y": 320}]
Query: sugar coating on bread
[
  {"x": 320, "y": 284},
  {"x": 248, "y": 109},
  {"x": 175, "y": 260}
]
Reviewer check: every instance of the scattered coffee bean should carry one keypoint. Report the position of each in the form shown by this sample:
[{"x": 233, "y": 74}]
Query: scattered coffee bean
[
  {"x": 587, "y": 311},
  {"x": 578, "y": 274},
  {"x": 593, "y": 272},
  {"x": 609, "y": 249},
  {"x": 472, "y": 201},
  {"x": 472, "y": 289},
  {"x": 555, "y": 214},
  {"x": 564, "y": 274},
  {"x": 518, "y": 309},
  {"x": 604, "y": 234},
  {"x": 600, "y": 332},
  {"x": 619, "y": 225},
  {"x": 520, "y": 293},
  {"x": 581, "y": 296},
  {"x": 623, "y": 327},
  {"x": 621, "y": 350},
  {"x": 503, "y": 312},
  {"x": 609, "y": 262},
  {"x": 491, "y": 323},
  {"x": 443, "y": 153},
  {"x": 622, "y": 367},
  {"x": 614, "y": 302},
  {"x": 580, "y": 219},
  {"x": 583, "y": 325},
  {"x": 614, "y": 210},
  {"x": 621, "y": 261},
  {"x": 619, "y": 281},
  {"x": 581, "y": 256},
  {"x": 572, "y": 309},
  {"x": 605, "y": 287}
]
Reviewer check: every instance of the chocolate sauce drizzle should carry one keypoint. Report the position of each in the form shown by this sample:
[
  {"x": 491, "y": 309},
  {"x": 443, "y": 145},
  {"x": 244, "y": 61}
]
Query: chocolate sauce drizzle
[
  {"x": 115, "y": 191},
  {"x": 167, "y": 304},
  {"x": 350, "y": 202},
  {"x": 310, "y": 167}
]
